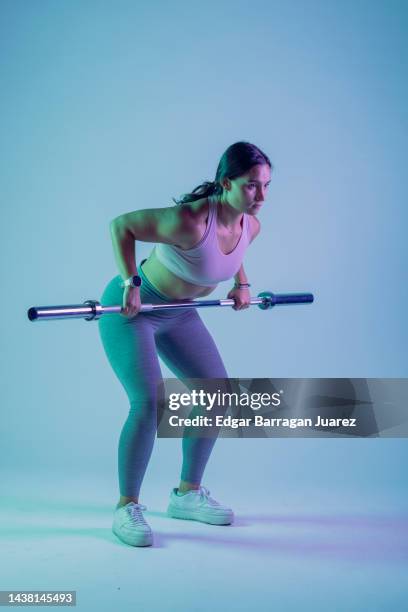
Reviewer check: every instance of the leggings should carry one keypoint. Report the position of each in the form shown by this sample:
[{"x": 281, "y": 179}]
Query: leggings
[{"x": 132, "y": 346}]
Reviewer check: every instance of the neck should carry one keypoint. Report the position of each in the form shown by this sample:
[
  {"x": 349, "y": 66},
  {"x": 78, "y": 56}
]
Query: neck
[{"x": 227, "y": 214}]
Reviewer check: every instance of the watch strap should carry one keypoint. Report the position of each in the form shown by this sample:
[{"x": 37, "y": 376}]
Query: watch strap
[{"x": 132, "y": 281}]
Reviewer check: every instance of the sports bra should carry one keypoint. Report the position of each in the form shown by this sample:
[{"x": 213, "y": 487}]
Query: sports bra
[{"x": 205, "y": 264}]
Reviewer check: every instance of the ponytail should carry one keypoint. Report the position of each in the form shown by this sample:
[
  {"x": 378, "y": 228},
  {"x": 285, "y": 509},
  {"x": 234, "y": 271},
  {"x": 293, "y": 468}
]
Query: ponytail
[{"x": 202, "y": 191}]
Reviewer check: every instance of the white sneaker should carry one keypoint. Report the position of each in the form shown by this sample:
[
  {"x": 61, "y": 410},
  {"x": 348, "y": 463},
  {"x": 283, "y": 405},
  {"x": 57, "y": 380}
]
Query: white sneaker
[
  {"x": 129, "y": 525},
  {"x": 197, "y": 505}
]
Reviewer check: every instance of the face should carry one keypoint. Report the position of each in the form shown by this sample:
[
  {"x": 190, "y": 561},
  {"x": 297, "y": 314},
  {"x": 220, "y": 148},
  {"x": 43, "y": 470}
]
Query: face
[{"x": 247, "y": 193}]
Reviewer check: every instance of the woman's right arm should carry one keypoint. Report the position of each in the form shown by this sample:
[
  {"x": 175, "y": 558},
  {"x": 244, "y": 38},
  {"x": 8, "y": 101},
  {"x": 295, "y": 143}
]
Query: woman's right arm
[{"x": 150, "y": 225}]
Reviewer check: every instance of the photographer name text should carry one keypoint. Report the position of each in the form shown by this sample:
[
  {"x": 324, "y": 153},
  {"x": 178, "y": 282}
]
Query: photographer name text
[{"x": 258, "y": 421}]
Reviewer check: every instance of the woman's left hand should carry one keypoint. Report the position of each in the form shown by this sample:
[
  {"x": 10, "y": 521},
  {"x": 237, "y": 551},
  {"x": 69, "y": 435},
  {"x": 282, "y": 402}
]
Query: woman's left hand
[{"x": 241, "y": 297}]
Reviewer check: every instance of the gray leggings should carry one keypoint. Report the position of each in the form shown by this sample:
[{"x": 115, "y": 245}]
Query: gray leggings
[{"x": 132, "y": 346}]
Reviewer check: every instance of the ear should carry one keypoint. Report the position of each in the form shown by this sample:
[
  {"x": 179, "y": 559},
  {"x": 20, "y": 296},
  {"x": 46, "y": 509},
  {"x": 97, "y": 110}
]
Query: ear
[{"x": 226, "y": 184}]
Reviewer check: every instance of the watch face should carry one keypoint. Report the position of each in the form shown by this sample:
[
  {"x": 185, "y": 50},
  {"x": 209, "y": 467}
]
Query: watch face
[{"x": 137, "y": 281}]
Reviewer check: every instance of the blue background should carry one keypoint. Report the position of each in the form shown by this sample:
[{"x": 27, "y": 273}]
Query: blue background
[{"x": 108, "y": 107}]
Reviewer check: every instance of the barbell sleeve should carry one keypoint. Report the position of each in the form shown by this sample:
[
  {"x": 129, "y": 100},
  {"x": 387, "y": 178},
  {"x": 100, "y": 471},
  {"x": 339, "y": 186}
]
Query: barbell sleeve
[{"x": 92, "y": 310}]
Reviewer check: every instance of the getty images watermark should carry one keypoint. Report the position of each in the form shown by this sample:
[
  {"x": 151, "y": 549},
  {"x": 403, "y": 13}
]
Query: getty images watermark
[{"x": 265, "y": 407}]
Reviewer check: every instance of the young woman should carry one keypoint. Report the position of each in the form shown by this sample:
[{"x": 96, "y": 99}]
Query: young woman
[{"x": 200, "y": 242}]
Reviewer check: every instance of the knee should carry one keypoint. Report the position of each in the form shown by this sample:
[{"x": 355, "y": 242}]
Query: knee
[{"x": 143, "y": 409}]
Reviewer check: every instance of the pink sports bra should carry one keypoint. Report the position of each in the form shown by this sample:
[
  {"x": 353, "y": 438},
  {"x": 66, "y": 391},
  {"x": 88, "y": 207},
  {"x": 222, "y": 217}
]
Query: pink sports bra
[{"x": 205, "y": 264}]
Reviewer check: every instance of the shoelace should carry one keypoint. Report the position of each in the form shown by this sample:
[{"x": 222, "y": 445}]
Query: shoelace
[
  {"x": 135, "y": 512},
  {"x": 205, "y": 494}
]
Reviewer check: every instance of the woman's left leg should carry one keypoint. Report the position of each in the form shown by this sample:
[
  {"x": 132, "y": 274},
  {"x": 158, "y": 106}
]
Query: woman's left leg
[{"x": 188, "y": 350}]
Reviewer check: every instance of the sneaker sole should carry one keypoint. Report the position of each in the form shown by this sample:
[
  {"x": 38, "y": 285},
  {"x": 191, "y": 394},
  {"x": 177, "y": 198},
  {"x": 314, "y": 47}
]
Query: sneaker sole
[
  {"x": 199, "y": 516},
  {"x": 142, "y": 540}
]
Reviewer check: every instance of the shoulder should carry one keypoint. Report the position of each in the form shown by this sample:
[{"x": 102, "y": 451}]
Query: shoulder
[
  {"x": 254, "y": 227},
  {"x": 169, "y": 225},
  {"x": 183, "y": 215},
  {"x": 189, "y": 222},
  {"x": 193, "y": 213}
]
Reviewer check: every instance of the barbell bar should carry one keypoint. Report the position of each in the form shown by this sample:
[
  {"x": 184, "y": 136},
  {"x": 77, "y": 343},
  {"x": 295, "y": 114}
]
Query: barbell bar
[{"x": 92, "y": 310}]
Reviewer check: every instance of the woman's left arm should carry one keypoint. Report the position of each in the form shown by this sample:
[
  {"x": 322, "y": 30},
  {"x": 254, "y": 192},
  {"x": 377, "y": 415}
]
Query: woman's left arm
[{"x": 242, "y": 295}]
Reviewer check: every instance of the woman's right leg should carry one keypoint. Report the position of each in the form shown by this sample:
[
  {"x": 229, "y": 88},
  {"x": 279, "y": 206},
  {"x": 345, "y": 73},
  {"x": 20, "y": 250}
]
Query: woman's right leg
[{"x": 130, "y": 348}]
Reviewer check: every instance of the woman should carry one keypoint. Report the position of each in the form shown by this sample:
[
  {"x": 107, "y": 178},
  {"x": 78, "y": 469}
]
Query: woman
[{"x": 200, "y": 242}]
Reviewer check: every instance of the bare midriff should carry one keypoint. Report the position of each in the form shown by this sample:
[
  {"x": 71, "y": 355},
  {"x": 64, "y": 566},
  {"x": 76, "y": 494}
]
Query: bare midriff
[{"x": 170, "y": 285}]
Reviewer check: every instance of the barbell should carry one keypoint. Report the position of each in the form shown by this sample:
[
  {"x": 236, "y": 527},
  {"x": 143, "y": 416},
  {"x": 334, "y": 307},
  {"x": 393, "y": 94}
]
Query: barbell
[{"x": 91, "y": 310}]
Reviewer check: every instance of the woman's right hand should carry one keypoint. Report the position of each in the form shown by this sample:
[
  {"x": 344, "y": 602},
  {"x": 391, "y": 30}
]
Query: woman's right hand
[{"x": 131, "y": 301}]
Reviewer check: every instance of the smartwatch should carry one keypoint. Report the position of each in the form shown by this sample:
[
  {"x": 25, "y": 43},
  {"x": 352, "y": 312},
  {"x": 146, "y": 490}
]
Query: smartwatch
[{"x": 132, "y": 281}]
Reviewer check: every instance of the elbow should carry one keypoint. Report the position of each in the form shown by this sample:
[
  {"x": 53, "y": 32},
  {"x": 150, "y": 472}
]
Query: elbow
[
  {"x": 120, "y": 229},
  {"x": 117, "y": 225},
  {"x": 116, "y": 222}
]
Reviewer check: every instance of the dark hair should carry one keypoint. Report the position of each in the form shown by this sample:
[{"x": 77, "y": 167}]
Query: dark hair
[{"x": 236, "y": 161}]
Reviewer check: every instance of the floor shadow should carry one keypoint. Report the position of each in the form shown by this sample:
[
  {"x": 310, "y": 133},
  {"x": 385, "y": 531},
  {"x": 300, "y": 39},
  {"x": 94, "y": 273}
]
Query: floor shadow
[{"x": 337, "y": 544}]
